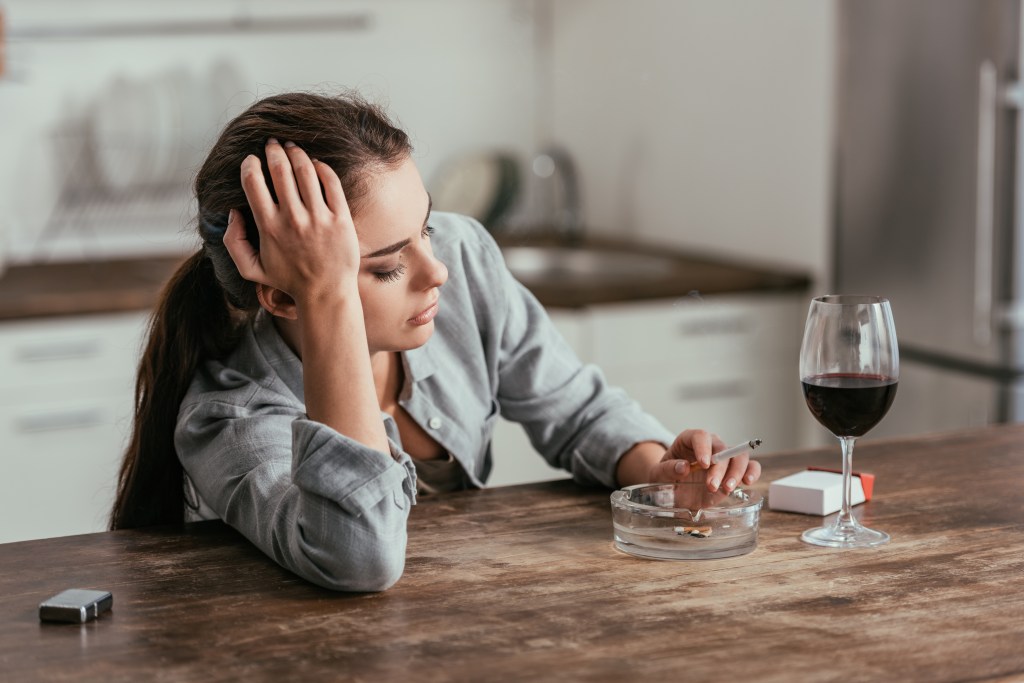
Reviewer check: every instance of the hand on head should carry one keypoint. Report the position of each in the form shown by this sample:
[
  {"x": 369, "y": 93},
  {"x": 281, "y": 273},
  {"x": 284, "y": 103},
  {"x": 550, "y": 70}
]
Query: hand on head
[{"x": 308, "y": 244}]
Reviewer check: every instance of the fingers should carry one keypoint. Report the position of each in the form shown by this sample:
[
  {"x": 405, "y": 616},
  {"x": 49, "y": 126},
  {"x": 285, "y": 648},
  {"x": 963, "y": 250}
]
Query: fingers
[
  {"x": 240, "y": 249},
  {"x": 306, "y": 177},
  {"x": 727, "y": 474},
  {"x": 697, "y": 445},
  {"x": 282, "y": 175},
  {"x": 333, "y": 190},
  {"x": 701, "y": 443},
  {"x": 694, "y": 444},
  {"x": 730, "y": 474},
  {"x": 753, "y": 472},
  {"x": 674, "y": 470},
  {"x": 296, "y": 180},
  {"x": 257, "y": 194}
]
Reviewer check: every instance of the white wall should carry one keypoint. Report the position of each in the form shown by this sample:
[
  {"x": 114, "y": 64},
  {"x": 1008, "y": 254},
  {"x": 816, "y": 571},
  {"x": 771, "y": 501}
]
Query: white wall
[
  {"x": 457, "y": 74},
  {"x": 702, "y": 124}
]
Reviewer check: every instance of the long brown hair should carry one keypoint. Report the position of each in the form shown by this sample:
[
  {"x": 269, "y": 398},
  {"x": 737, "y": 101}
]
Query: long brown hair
[{"x": 205, "y": 303}]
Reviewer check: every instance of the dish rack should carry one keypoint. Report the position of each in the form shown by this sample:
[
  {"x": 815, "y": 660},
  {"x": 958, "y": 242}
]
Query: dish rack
[
  {"x": 126, "y": 160},
  {"x": 105, "y": 192},
  {"x": 87, "y": 207}
]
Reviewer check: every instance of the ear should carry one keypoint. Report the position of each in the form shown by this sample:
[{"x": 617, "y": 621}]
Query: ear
[{"x": 276, "y": 302}]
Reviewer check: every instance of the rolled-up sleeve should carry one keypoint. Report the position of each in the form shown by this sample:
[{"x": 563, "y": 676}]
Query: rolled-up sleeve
[{"x": 321, "y": 504}]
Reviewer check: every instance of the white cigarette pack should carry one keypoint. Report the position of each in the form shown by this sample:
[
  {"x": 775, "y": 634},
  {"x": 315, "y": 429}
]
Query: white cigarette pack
[{"x": 813, "y": 492}]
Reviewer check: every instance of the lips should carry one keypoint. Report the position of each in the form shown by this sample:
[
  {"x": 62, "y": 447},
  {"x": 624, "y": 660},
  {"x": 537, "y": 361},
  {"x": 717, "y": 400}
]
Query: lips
[{"x": 426, "y": 316}]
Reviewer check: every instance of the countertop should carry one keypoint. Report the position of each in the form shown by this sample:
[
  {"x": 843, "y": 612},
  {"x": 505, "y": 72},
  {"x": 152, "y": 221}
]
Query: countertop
[
  {"x": 691, "y": 273},
  {"x": 31, "y": 291},
  {"x": 523, "y": 584},
  {"x": 54, "y": 289}
]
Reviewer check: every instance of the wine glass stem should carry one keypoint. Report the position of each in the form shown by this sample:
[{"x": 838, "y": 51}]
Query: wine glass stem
[{"x": 846, "y": 518}]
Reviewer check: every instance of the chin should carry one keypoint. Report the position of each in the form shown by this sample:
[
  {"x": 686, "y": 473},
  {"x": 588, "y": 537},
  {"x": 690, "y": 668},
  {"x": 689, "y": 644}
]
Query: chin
[
  {"x": 416, "y": 338},
  {"x": 422, "y": 335}
]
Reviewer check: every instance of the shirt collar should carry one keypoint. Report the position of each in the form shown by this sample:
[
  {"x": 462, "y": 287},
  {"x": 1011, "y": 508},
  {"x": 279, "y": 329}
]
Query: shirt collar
[
  {"x": 420, "y": 363},
  {"x": 277, "y": 353}
]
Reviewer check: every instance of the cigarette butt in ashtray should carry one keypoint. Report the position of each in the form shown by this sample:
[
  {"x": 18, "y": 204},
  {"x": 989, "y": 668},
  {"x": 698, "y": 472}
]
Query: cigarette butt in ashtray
[{"x": 695, "y": 531}]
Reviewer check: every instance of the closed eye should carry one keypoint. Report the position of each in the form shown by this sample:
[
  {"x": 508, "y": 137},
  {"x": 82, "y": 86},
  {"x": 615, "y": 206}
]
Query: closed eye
[{"x": 393, "y": 275}]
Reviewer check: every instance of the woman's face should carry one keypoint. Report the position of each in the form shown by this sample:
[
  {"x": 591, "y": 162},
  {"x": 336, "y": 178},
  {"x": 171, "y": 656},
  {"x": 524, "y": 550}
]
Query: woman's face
[{"x": 399, "y": 278}]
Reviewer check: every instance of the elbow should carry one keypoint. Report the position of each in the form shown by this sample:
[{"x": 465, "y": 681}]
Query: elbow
[
  {"x": 358, "y": 568},
  {"x": 374, "y": 575},
  {"x": 343, "y": 550}
]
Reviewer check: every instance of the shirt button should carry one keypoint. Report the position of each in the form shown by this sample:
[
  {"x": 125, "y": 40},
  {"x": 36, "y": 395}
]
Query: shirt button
[{"x": 434, "y": 423}]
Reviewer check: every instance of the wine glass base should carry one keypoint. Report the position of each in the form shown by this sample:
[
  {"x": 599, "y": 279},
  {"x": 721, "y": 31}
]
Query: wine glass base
[{"x": 844, "y": 537}]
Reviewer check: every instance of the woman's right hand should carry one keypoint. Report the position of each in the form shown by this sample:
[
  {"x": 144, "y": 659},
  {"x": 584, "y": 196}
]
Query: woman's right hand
[{"x": 308, "y": 243}]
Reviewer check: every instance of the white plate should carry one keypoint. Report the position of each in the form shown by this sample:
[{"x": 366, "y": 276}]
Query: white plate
[
  {"x": 469, "y": 185},
  {"x": 121, "y": 128},
  {"x": 162, "y": 131},
  {"x": 179, "y": 136}
]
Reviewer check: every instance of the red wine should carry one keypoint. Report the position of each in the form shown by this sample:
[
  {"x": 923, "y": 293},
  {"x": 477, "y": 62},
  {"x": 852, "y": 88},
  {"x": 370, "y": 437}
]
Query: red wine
[{"x": 849, "y": 404}]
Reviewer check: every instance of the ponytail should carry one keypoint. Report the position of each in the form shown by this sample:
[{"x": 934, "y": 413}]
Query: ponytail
[{"x": 192, "y": 322}]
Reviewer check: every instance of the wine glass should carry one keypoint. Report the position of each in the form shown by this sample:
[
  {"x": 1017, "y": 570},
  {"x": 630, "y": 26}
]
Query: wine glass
[{"x": 849, "y": 369}]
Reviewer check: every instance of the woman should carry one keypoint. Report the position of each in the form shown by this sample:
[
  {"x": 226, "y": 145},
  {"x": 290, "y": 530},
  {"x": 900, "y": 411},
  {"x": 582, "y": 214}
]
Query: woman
[{"x": 304, "y": 376}]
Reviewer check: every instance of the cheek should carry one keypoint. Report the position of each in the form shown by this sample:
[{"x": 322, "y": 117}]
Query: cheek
[{"x": 381, "y": 303}]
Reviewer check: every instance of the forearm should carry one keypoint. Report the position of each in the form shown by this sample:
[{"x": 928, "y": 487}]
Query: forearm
[
  {"x": 319, "y": 503},
  {"x": 636, "y": 465},
  {"x": 337, "y": 377},
  {"x": 344, "y": 532}
]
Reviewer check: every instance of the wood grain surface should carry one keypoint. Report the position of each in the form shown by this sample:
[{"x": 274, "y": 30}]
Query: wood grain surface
[{"x": 523, "y": 584}]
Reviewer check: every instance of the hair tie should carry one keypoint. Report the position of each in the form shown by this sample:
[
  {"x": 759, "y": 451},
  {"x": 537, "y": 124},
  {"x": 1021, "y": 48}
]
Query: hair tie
[{"x": 212, "y": 226}]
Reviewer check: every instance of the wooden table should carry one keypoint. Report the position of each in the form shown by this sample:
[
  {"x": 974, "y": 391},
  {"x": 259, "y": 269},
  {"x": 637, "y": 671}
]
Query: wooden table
[{"x": 523, "y": 583}]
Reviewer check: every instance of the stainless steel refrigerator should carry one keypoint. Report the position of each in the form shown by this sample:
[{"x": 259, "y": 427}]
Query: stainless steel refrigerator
[{"x": 928, "y": 199}]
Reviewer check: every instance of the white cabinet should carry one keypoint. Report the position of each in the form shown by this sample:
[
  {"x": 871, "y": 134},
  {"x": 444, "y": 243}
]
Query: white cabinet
[
  {"x": 66, "y": 392},
  {"x": 725, "y": 363},
  {"x": 515, "y": 461}
]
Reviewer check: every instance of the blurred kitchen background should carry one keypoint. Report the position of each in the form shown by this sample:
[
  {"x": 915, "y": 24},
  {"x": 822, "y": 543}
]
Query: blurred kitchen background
[{"x": 705, "y": 132}]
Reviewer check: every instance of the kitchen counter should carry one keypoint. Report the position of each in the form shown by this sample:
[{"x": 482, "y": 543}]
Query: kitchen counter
[
  {"x": 523, "y": 584},
  {"x": 30, "y": 291},
  {"x": 53, "y": 289},
  {"x": 690, "y": 274}
]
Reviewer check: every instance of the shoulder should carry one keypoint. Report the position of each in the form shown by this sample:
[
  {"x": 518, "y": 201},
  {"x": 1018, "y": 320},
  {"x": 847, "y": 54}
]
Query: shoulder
[
  {"x": 248, "y": 378},
  {"x": 463, "y": 227},
  {"x": 463, "y": 238}
]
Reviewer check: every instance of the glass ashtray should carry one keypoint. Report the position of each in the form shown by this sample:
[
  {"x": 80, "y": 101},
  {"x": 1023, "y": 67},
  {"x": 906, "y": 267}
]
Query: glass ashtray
[{"x": 684, "y": 521}]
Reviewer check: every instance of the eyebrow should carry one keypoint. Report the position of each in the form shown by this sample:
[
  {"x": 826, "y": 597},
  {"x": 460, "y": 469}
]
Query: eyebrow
[{"x": 399, "y": 246}]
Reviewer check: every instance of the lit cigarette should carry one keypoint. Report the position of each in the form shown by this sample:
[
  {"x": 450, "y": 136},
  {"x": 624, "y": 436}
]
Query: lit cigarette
[{"x": 734, "y": 451}]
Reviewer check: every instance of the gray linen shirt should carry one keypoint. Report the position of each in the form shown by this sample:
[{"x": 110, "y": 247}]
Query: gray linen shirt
[{"x": 333, "y": 510}]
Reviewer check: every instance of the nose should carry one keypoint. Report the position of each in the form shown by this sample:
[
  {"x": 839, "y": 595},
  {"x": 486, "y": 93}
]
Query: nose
[{"x": 433, "y": 274}]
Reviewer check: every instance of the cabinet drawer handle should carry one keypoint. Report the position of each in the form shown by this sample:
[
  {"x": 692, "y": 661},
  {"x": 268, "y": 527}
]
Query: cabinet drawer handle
[
  {"x": 80, "y": 348},
  {"x": 65, "y": 419},
  {"x": 710, "y": 326},
  {"x": 711, "y": 390}
]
